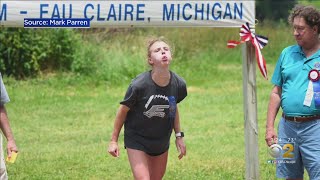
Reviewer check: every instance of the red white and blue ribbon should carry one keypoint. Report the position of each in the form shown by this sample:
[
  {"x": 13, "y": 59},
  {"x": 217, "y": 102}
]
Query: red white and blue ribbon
[{"x": 258, "y": 42}]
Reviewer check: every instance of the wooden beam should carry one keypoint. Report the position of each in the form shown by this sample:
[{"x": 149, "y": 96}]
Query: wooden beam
[{"x": 250, "y": 111}]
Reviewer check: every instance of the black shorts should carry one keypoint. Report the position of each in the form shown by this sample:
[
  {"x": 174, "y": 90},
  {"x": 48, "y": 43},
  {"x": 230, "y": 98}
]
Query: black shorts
[{"x": 151, "y": 146}]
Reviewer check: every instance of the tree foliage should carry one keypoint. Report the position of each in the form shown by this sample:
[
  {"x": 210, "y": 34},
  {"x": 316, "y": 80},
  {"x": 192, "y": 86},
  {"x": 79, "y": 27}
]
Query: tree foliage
[
  {"x": 274, "y": 10},
  {"x": 27, "y": 52}
]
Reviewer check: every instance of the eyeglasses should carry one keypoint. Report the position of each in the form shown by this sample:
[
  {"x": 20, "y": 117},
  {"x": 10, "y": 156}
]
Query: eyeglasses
[{"x": 299, "y": 29}]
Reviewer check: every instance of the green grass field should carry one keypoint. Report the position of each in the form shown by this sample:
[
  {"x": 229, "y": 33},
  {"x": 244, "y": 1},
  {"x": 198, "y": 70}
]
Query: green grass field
[{"x": 62, "y": 122}]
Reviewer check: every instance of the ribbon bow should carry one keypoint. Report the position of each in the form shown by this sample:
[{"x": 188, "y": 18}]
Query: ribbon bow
[{"x": 258, "y": 42}]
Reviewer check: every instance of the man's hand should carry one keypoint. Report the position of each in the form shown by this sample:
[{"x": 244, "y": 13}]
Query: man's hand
[
  {"x": 271, "y": 136},
  {"x": 11, "y": 146},
  {"x": 181, "y": 147}
]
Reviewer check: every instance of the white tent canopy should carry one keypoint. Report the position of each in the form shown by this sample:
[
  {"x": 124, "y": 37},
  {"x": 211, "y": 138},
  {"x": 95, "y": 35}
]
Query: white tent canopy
[{"x": 219, "y": 13}]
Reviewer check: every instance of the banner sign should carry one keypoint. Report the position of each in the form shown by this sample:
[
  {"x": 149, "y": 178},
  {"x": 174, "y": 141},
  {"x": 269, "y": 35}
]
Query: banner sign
[{"x": 126, "y": 13}]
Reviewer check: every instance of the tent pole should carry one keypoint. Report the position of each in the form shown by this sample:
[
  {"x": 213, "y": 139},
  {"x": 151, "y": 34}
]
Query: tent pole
[{"x": 250, "y": 112}]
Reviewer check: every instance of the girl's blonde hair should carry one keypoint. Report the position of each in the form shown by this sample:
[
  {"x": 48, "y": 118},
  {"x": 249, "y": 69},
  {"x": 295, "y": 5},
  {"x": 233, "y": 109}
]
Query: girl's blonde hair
[{"x": 152, "y": 40}]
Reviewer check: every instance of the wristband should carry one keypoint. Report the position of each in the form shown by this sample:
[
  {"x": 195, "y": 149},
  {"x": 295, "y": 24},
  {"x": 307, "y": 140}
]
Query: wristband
[{"x": 179, "y": 134}]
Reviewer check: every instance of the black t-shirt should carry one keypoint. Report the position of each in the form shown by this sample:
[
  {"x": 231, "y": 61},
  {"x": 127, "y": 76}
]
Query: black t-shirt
[{"x": 149, "y": 122}]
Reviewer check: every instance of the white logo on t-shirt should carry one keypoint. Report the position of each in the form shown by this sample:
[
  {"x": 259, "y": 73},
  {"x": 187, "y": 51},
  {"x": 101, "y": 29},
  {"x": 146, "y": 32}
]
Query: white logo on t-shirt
[{"x": 156, "y": 110}]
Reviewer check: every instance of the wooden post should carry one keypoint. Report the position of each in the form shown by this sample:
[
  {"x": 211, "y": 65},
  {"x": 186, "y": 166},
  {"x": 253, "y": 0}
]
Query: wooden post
[{"x": 250, "y": 111}]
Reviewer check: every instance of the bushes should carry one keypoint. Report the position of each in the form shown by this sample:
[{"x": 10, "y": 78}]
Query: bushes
[
  {"x": 274, "y": 10},
  {"x": 30, "y": 52},
  {"x": 111, "y": 60},
  {"x": 27, "y": 52}
]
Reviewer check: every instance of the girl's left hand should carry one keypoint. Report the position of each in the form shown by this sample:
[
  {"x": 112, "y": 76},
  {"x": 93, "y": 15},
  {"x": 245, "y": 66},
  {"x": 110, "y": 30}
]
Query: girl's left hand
[
  {"x": 181, "y": 147},
  {"x": 113, "y": 149}
]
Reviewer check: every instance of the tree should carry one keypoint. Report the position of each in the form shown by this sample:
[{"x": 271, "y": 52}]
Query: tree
[{"x": 274, "y": 10}]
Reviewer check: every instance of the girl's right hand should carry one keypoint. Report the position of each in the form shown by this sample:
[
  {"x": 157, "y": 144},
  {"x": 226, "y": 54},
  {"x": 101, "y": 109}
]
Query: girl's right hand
[{"x": 113, "y": 149}]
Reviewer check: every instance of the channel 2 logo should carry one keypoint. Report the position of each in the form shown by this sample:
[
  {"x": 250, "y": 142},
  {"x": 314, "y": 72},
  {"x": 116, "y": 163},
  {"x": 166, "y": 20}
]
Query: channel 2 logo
[{"x": 283, "y": 150}]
